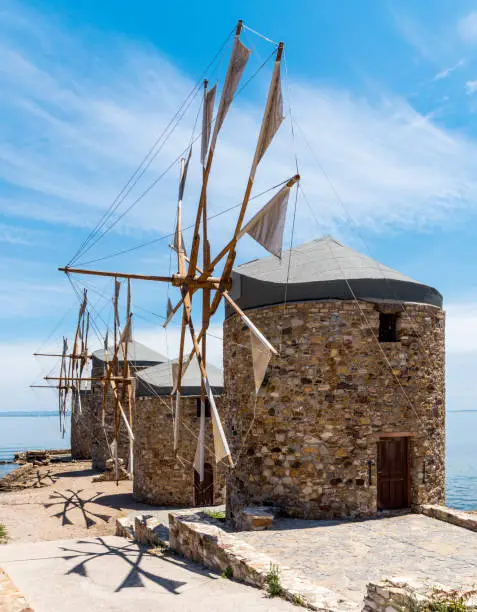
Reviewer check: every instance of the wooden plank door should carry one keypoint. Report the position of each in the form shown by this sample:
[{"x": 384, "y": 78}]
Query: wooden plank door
[
  {"x": 204, "y": 493},
  {"x": 393, "y": 474}
]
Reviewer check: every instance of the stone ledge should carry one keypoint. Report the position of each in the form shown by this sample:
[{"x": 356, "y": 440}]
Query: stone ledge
[
  {"x": 449, "y": 515},
  {"x": 124, "y": 527},
  {"x": 150, "y": 531},
  {"x": 256, "y": 518},
  {"x": 206, "y": 543},
  {"x": 397, "y": 594}
]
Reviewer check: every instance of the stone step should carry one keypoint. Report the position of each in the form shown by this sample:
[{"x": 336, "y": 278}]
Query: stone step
[
  {"x": 144, "y": 528},
  {"x": 256, "y": 518}
]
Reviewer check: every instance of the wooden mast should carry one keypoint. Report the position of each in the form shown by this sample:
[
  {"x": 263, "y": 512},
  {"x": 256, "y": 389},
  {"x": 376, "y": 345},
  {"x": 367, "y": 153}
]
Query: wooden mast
[{"x": 205, "y": 316}]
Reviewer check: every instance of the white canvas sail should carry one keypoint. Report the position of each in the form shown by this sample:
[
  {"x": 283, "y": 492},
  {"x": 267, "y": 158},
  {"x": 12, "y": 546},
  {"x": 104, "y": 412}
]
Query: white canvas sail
[
  {"x": 272, "y": 118},
  {"x": 199, "y": 453},
  {"x": 177, "y": 419},
  {"x": 238, "y": 61},
  {"x": 221, "y": 447},
  {"x": 184, "y": 175},
  {"x": 207, "y": 114},
  {"x": 261, "y": 356},
  {"x": 267, "y": 226}
]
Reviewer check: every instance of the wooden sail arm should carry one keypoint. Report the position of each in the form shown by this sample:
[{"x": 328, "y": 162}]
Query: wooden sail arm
[
  {"x": 123, "y": 414},
  {"x": 165, "y": 279},
  {"x": 48, "y": 387},
  {"x": 97, "y": 378},
  {"x": 205, "y": 179},
  {"x": 251, "y": 325},
  {"x": 178, "y": 381},
  {"x": 203, "y": 371},
  {"x": 239, "y": 311},
  {"x": 177, "y": 279},
  {"x": 70, "y": 356}
]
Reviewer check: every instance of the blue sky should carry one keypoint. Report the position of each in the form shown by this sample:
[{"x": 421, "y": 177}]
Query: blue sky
[{"x": 384, "y": 100}]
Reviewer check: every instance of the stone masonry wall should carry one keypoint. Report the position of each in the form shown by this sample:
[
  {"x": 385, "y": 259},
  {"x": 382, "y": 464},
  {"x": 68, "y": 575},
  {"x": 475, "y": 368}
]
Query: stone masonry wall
[
  {"x": 160, "y": 477},
  {"x": 305, "y": 441},
  {"x": 81, "y": 425},
  {"x": 399, "y": 595}
]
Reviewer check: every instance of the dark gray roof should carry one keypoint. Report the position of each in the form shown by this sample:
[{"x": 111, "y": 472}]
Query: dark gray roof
[
  {"x": 324, "y": 269},
  {"x": 157, "y": 380},
  {"x": 138, "y": 354}
]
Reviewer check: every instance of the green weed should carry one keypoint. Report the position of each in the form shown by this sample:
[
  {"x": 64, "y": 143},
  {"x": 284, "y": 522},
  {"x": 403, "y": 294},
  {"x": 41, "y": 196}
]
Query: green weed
[{"x": 274, "y": 587}]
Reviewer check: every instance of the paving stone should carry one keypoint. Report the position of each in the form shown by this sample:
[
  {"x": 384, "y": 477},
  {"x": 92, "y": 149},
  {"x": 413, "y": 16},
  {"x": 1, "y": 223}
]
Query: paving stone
[{"x": 344, "y": 556}]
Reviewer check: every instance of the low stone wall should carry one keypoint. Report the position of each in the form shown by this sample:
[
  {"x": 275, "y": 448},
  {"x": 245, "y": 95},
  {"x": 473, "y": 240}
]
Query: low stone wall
[
  {"x": 450, "y": 515},
  {"x": 15, "y": 479},
  {"x": 400, "y": 596},
  {"x": 205, "y": 542}
]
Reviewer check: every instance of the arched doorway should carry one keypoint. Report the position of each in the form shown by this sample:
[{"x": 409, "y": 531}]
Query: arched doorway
[{"x": 204, "y": 493}]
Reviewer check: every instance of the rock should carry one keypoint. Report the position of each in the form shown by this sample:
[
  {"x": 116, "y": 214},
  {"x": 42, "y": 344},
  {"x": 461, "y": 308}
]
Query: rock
[{"x": 256, "y": 518}]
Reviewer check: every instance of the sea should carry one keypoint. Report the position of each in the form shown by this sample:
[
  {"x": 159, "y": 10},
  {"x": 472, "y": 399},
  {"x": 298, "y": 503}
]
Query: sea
[
  {"x": 29, "y": 431},
  {"x": 41, "y": 430}
]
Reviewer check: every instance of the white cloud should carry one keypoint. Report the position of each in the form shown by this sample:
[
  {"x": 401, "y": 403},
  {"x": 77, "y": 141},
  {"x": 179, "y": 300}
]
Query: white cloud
[
  {"x": 443, "y": 74},
  {"x": 467, "y": 28},
  {"x": 18, "y": 370},
  {"x": 83, "y": 132},
  {"x": 471, "y": 87}
]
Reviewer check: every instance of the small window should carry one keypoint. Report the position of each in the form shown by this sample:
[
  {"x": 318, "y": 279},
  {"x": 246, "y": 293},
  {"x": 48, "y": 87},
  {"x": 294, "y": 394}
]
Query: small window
[
  {"x": 207, "y": 407},
  {"x": 388, "y": 327}
]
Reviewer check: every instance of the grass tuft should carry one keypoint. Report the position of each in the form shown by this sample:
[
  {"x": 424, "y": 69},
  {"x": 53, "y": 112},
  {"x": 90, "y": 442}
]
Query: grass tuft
[
  {"x": 218, "y": 515},
  {"x": 228, "y": 572},
  {"x": 274, "y": 587}
]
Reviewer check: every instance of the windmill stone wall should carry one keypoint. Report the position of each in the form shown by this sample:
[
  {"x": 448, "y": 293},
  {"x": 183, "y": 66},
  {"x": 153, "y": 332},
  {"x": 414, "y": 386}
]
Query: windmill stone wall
[
  {"x": 81, "y": 425},
  {"x": 140, "y": 357},
  {"x": 308, "y": 441},
  {"x": 160, "y": 477}
]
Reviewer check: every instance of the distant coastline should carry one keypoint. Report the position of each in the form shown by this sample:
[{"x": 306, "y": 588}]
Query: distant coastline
[{"x": 38, "y": 413}]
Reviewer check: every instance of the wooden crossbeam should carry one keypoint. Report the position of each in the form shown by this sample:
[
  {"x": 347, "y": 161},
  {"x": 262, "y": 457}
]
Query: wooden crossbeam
[{"x": 70, "y": 356}]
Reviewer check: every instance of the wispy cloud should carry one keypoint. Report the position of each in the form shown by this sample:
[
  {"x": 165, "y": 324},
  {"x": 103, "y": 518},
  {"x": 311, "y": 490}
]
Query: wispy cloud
[
  {"x": 84, "y": 131},
  {"x": 446, "y": 72},
  {"x": 471, "y": 87},
  {"x": 467, "y": 28}
]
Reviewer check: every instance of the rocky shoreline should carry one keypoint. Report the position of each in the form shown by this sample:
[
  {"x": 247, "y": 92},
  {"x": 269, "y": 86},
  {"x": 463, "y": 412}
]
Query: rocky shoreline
[{"x": 21, "y": 477}]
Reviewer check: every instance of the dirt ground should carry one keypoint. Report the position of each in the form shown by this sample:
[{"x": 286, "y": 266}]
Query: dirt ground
[{"x": 65, "y": 504}]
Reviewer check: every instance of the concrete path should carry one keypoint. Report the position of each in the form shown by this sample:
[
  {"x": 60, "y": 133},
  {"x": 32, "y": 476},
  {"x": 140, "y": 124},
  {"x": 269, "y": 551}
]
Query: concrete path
[
  {"x": 344, "y": 556},
  {"x": 111, "y": 574}
]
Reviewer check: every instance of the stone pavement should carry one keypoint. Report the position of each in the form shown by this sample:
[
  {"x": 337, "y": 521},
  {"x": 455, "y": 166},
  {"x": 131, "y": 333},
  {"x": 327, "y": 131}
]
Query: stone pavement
[
  {"x": 112, "y": 574},
  {"x": 344, "y": 556}
]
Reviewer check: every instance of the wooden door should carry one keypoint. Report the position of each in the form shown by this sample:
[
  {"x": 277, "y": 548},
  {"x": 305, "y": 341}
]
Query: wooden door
[
  {"x": 204, "y": 493},
  {"x": 393, "y": 474}
]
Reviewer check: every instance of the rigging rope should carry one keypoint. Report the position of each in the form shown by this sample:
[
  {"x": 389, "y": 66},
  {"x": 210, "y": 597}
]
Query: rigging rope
[
  {"x": 161, "y": 176},
  {"x": 171, "y": 235},
  {"x": 138, "y": 173}
]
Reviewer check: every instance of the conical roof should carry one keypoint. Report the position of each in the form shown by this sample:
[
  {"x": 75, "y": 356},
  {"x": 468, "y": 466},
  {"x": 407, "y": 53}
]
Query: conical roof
[
  {"x": 157, "y": 380},
  {"x": 324, "y": 269},
  {"x": 138, "y": 354}
]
